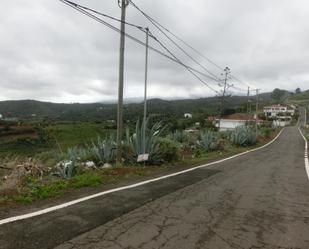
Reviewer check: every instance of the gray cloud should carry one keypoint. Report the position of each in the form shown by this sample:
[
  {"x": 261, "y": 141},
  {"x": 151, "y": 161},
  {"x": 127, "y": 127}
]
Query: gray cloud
[{"x": 50, "y": 52}]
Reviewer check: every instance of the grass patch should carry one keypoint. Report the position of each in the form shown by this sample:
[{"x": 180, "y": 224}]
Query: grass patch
[
  {"x": 35, "y": 189},
  {"x": 70, "y": 135},
  {"x": 49, "y": 190},
  {"x": 22, "y": 198},
  {"x": 86, "y": 180}
]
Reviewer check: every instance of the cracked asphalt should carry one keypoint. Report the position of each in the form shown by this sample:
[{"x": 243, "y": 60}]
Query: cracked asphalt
[{"x": 258, "y": 200}]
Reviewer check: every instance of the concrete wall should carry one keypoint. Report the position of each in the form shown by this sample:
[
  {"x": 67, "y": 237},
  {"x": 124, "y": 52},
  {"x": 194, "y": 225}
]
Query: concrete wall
[
  {"x": 227, "y": 124},
  {"x": 278, "y": 123}
]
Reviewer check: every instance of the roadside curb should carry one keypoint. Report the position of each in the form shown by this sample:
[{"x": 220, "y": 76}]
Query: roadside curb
[{"x": 70, "y": 203}]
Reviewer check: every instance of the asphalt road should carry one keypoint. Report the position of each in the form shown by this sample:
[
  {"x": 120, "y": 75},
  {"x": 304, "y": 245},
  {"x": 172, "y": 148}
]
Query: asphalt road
[{"x": 258, "y": 200}]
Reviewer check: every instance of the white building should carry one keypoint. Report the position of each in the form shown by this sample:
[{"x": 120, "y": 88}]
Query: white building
[
  {"x": 277, "y": 110},
  {"x": 232, "y": 121},
  {"x": 1, "y": 116},
  {"x": 187, "y": 115},
  {"x": 280, "y": 114}
]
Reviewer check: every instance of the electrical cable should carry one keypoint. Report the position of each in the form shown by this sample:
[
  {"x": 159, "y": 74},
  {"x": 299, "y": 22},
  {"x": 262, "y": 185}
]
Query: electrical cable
[
  {"x": 194, "y": 74},
  {"x": 158, "y": 26},
  {"x": 156, "y": 23},
  {"x": 172, "y": 57},
  {"x": 102, "y": 14}
]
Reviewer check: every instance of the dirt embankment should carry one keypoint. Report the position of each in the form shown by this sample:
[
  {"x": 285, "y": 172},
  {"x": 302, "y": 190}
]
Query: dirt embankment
[{"x": 11, "y": 133}]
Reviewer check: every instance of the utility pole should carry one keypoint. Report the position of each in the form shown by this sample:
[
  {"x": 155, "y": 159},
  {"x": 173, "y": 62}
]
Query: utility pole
[
  {"x": 225, "y": 86},
  {"x": 145, "y": 91},
  {"x": 248, "y": 94},
  {"x": 248, "y": 117},
  {"x": 123, "y": 5},
  {"x": 256, "y": 112}
]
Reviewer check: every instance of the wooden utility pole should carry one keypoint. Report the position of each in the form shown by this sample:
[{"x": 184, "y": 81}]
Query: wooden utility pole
[
  {"x": 248, "y": 99},
  {"x": 145, "y": 92},
  {"x": 124, "y": 4},
  {"x": 256, "y": 112},
  {"x": 248, "y": 114},
  {"x": 226, "y": 74}
]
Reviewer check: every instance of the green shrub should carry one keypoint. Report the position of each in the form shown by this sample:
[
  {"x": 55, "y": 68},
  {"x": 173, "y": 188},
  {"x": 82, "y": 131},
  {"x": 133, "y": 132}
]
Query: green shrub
[
  {"x": 169, "y": 150},
  {"x": 266, "y": 132}
]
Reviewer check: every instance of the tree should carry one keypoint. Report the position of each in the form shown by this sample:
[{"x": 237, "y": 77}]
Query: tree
[
  {"x": 297, "y": 90},
  {"x": 277, "y": 95},
  {"x": 228, "y": 111}
]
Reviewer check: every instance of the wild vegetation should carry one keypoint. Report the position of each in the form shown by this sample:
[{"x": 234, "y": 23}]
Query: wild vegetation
[
  {"x": 46, "y": 157},
  {"x": 62, "y": 165}
]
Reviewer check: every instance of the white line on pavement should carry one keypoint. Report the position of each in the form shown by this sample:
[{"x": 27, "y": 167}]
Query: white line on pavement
[
  {"x": 306, "y": 153},
  {"x": 70, "y": 203}
]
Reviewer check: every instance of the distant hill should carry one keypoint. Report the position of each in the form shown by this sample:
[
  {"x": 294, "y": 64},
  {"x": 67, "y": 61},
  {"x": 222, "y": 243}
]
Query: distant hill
[
  {"x": 29, "y": 109},
  {"x": 32, "y": 108},
  {"x": 300, "y": 97}
]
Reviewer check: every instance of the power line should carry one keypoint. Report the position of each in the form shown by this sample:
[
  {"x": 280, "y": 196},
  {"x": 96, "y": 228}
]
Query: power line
[
  {"x": 156, "y": 23},
  {"x": 243, "y": 90},
  {"x": 189, "y": 69},
  {"x": 176, "y": 36},
  {"x": 160, "y": 27},
  {"x": 102, "y": 14},
  {"x": 172, "y": 57},
  {"x": 84, "y": 10}
]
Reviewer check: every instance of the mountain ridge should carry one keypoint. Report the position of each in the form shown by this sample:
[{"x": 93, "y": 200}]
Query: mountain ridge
[{"x": 98, "y": 111}]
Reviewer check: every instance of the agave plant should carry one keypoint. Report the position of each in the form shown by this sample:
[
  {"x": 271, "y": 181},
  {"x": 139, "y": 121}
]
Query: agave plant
[
  {"x": 78, "y": 154},
  {"x": 73, "y": 154},
  {"x": 208, "y": 140},
  {"x": 103, "y": 150},
  {"x": 67, "y": 169},
  {"x": 242, "y": 136},
  {"x": 150, "y": 147},
  {"x": 179, "y": 136}
]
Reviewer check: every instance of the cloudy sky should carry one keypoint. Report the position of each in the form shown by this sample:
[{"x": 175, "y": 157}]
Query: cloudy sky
[{"x": 50, "y": 52}]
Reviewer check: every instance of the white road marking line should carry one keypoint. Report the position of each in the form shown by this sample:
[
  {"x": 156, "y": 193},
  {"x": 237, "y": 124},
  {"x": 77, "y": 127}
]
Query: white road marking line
[
  {"x": 306, "y": 153},
  {"x": 70, "y": 203}
]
